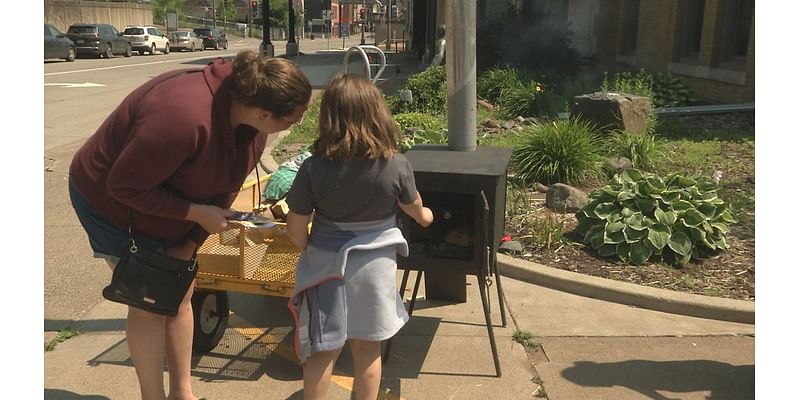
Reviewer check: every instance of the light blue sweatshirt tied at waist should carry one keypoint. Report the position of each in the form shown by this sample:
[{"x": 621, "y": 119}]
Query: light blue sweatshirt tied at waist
[{"x": 333, "y": 247}]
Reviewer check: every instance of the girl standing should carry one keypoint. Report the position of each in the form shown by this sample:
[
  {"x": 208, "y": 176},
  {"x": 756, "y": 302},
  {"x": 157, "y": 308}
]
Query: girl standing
[{"x": 351, "y": 187}]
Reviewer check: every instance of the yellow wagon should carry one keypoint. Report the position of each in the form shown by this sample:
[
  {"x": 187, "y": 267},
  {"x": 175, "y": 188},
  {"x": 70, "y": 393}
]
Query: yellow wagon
[{"x": 245, "y": 258}]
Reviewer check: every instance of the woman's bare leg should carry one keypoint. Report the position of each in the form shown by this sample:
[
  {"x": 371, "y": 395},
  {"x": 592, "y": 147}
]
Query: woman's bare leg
[
  {"x": 145, "y": 335},
  {"x": 179, "y": 331},
  {"x": 366, "y": 368},
  {"x": 317, "y": 374}
]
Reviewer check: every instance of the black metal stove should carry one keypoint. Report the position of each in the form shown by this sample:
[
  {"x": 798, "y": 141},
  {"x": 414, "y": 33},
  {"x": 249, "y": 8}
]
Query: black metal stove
[{"x": 466, "y": 190}]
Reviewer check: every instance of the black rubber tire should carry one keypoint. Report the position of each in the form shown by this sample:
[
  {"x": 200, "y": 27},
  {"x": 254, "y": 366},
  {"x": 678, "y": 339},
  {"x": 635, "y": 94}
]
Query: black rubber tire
[
  {"x": 128, "y": 51},
  {"x": 153, "y": 49},
  {"x": 109, "y": 52},
  {"x": 192, "y": 47},
  {"x": 166, "y": 49},
  {"x": 225, "y": 46},
  {"x": 211, "y": 313},
  {"x": 70, "y": 54}
]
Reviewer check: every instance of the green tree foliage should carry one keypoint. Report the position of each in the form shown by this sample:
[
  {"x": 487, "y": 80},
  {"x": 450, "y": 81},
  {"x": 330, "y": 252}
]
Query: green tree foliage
[
  {"x": 228, "y": 10},
  {"x": 160, "y": 8}
]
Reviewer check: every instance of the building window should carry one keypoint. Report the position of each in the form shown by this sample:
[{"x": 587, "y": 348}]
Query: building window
[
  {"x": 738, "y": 17},
  {"x": 692, "y": 29},
  {"x": 630, "y": 27}
]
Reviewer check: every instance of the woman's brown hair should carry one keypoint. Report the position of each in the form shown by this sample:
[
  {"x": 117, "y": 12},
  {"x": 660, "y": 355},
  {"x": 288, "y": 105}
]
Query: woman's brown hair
[
  {"x": 274, "y": 84},
  {"x": 354, "y": 122}
]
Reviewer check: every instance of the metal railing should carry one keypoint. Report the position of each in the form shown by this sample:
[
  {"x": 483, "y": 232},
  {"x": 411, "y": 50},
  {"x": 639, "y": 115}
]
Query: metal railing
[{"x": 362, "y": 50}]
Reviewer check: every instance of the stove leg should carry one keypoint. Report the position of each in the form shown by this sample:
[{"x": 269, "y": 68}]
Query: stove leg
[
  {"x": 501, "y": 299},
  {"x": 487, "y": 315}
]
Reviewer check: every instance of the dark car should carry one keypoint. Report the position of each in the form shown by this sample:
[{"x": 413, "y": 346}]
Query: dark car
[
  {"x": 212, "y": 38},
  {"x": 100, "y": 40},
  {"x": 57, "y": 44}
]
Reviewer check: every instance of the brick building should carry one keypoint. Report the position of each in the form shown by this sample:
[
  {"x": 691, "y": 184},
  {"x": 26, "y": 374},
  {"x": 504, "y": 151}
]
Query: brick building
[{"x": 709, "y": 44}]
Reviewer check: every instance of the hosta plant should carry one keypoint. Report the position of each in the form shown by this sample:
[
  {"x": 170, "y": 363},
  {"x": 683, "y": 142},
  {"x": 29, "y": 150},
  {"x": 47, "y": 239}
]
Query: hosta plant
[{"x": 638, "y": 216}]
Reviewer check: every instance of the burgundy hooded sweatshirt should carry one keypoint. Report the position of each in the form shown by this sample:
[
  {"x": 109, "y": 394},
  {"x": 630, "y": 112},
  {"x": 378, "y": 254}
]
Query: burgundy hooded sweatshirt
[{"x": 168, "y": 144}]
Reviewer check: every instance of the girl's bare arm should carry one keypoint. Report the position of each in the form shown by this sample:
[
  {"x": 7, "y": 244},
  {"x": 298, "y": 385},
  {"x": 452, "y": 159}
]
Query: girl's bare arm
[
  {"x": 297, "y": 227},
  {"x": 423, "y": 215}
]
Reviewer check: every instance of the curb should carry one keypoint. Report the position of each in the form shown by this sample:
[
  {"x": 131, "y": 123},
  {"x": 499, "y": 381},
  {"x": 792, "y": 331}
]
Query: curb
[{"x": 628, "y": 293}]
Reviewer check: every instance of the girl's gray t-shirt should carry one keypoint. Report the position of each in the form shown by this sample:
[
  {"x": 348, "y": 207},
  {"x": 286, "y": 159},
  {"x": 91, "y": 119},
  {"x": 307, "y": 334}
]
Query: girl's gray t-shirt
[{"x": 352, "y": 191}]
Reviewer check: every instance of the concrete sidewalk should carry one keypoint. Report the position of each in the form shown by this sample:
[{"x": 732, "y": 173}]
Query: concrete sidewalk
[{"x": 586, "y": 349}]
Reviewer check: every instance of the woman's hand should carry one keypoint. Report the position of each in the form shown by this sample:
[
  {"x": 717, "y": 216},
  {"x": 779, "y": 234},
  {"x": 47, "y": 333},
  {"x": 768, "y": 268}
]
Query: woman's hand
[{"x": 212, "y": 218}]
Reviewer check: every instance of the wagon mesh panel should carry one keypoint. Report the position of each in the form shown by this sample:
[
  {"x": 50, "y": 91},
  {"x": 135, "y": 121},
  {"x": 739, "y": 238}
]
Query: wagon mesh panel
[{"x": 244, "y": 254}]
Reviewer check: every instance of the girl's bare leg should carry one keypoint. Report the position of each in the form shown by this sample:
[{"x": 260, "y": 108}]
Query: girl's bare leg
[
  {"x": 366, "y": 368},
  {"x": 317, "y": 374}
]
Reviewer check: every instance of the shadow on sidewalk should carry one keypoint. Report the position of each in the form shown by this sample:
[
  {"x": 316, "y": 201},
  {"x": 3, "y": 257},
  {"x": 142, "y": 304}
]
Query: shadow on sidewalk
[
  {"x": 724, "y": 381},
  {"x": 58, "y": 394}
]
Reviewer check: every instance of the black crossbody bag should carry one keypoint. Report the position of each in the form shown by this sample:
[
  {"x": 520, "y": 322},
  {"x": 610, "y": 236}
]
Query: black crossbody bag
[{"x": 149, "y": 280}]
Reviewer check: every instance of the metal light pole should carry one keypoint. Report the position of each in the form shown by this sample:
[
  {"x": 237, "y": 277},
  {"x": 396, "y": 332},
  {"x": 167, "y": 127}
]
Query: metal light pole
[
  {"x": 267, "y": 49},
  {"x": 363, "y": 20},
  {"x": 291, "y": 45},
  {"x": 389, "y": 25}
]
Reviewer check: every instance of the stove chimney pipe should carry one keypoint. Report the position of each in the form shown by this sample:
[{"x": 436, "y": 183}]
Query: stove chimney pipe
[{"x": 461, "y": 74}]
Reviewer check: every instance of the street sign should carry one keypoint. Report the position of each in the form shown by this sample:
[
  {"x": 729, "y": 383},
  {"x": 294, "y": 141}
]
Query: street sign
[
  {"x": 172, "y": 21},
  {"x": 327, "y": 15}
]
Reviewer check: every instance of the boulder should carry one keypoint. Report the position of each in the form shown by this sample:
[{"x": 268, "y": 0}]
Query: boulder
[
  {"x": 565, "y": 199},
  {"x": 613, "y": 111},
  {"x": 618, "y": 164}
]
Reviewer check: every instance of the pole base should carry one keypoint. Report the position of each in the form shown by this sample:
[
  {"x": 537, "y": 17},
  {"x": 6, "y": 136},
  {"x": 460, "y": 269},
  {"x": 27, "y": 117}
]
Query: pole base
[
  {"x": 292, "y": 49},
  {"x": 267, "y": 50}
]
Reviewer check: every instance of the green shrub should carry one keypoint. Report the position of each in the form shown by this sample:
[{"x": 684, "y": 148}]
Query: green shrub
[
  {"x": 640, "y": 215},
  {"x": 643, "y": 150},
  {"x": 493, "y": 81},
  {"x": 429, "y": 90},
  {"x": 640, "y": 84},
  {"x": 422, "y": 121},
  {"x": 422, "y": 137},
  {"x": 395, "y": 105},
  {"x": 563, "y": 151},
  {"x": 520, "y": 100},
  {"x": 669, "y": 91}
]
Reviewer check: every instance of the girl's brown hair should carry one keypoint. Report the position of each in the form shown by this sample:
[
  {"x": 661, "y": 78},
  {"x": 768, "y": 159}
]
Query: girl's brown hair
[
  {"x": 354, "y": 122},
  {"x": 274, "y": 84}
]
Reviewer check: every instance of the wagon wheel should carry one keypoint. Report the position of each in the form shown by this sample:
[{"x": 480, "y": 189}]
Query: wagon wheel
[{"x": 210, "y": 319}]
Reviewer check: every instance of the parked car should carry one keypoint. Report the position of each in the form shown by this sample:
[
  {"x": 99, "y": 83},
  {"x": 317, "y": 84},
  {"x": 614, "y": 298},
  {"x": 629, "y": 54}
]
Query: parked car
[
  {"x": 100, "y": 40},
  {"x": 147, "y": 39},
  {"x": 212, "y": 38},
  {"x": 57, "y": 44},
  {"x": 186, "y": 40}
]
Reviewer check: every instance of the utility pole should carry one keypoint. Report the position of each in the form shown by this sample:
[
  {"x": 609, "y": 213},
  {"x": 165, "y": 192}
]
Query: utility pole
[{"x": 214, "y": 11}]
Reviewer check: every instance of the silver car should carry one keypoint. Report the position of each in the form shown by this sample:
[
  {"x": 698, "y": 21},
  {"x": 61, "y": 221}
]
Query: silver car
[{"x": 186, "y": 40}]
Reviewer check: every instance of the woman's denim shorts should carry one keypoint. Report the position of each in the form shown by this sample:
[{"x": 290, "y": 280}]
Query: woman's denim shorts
[{"x": 107, "y": 241}]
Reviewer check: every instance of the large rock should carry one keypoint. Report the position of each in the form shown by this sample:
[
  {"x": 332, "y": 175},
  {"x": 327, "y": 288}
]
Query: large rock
[
  {"x": 610, "y": 111},
  {"x": 565, "y": 199}
]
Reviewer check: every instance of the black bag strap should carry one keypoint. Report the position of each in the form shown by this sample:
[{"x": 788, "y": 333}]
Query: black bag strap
[{"x": 134, "y": 248}]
